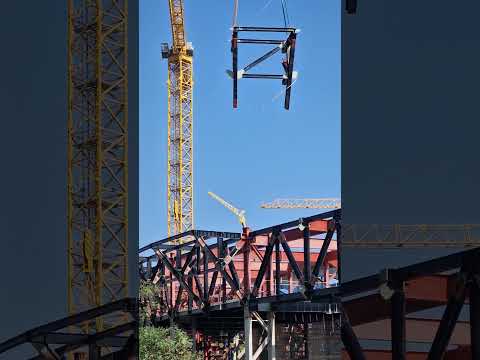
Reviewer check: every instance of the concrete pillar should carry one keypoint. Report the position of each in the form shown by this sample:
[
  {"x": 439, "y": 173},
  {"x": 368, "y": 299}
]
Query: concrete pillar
[
  {"x": 271, "y": 336},
  {"x": 247, "y": 319}
]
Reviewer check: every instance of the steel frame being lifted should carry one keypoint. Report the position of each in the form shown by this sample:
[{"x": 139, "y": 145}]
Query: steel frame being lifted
[
  {"x": 97, "y": 157},
  {"x": 285, "y": 46}
]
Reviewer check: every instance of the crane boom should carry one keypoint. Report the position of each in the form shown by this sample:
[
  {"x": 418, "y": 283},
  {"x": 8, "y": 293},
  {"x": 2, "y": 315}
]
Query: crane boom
[
  {"x": 323, "y": 203},
  {"x": 180, "y": 124},
  {"x": 239, "y": 213}
]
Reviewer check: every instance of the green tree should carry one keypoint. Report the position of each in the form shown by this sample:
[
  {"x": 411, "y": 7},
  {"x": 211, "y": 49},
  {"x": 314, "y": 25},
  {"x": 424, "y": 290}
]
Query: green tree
[{"x": 159, "y": 344}]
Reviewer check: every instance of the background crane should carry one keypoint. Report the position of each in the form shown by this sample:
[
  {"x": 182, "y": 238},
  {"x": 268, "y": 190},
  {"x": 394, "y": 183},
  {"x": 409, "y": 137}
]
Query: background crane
[
  {"x": 239, "y": 213},
  {"x": 180, "y": 124},
  {"x": 323, "y": 203}
]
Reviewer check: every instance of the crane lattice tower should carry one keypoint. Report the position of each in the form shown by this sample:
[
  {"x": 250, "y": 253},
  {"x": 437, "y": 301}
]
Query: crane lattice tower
[
  {"x": 180, "y": 124},
  {"x": 97, "y": 156}
]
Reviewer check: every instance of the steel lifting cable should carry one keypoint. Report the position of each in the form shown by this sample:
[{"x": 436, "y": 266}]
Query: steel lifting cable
[
  {"x": 235, "y": 12},
  {"x": 286, "y": 19}
]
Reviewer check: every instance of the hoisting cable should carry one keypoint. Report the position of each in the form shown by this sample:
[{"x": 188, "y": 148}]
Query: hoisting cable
[
  {"x": 286, "y": 20},
  {"x": 235, "y": 12}
]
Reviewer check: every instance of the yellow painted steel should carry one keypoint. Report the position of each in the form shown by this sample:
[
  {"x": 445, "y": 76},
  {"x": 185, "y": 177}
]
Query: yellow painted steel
[
  {"x": 180, "y": 126},
  {"x": 97, "y": 172},
  {"x": 240, "y": 214}
]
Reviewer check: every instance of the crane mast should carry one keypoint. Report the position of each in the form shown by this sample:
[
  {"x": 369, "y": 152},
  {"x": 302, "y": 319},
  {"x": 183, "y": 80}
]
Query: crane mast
[
  {"x": 97, "y": 168},
  {"x": 180, "y": 124}
]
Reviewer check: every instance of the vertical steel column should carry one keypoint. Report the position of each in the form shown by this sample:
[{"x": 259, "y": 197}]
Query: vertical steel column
[
  {"x": 277, "y": 266},
  {"x": 307, "y": 266},
  {"x": 93, "y": 352},
  {"x": 398, "y": 325},
  {"x": 306, "y": 337},
  {"x": 235, "y": 66},
  {"x": 475, "y": 319},
  {"x": 247, "y": 321},
  {"x": 221, "y": 255},
  {"x": 271, "y": 336},
  {"x": 246, "y": 267},
  {"x": 338, "y": 227},
  {"x": 205, "y": 276}
]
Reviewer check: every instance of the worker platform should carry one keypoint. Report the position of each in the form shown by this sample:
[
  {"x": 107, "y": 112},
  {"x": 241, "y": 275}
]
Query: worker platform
[{"x": 216, "y": 285}]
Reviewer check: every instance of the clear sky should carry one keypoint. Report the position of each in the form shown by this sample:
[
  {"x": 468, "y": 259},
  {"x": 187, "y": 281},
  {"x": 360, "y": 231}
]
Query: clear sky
[{"x": 259, "y": 151}]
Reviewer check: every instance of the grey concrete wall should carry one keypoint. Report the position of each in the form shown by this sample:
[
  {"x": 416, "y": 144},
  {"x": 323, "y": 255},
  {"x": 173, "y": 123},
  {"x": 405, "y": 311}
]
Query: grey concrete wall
[
  {"x": 33, "y": 100},
  {"x": 409, "y": 120}
]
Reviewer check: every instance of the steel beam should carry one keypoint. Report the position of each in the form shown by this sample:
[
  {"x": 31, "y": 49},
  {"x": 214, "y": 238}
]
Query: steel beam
[
  {"x": 449, "y": 319},
  {"x": 247, "y": 319},
  {"x": 350, "y": 341},
  {"x": 323, "y": 253},
  {"x": 475, "y": 318},
  {"x": 398, "y": 325}
]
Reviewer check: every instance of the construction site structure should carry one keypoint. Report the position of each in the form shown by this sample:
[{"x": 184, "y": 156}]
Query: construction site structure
[
  {"x": 246, "y": 295},
  {"x": 180, "y": 124},
  {"x": 97, "y": 157},
  {"x": 322, "y": 203}
]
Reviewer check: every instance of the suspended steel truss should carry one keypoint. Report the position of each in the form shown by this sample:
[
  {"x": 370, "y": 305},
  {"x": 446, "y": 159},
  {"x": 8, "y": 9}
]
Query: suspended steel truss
[
  {"x": 180, "y": 125},
  {"x": 97, "y": 157}
]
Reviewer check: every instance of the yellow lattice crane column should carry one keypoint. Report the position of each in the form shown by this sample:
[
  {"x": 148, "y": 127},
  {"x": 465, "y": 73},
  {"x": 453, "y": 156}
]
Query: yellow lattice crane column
[
  {"x": 180, "y": 124},
  {"x": 97, "y": 156}
]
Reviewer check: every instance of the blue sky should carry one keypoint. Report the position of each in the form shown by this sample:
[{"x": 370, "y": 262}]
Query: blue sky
[{"x": 259, "y": 151}]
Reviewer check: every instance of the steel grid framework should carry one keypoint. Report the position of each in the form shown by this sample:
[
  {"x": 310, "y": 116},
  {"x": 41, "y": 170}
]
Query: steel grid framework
[
  {"x": 217, "y": 267},
  {"x": 43, "y": 338},
  {"x": 286, "y": 46},
  {"x": 97, "y": 156}
]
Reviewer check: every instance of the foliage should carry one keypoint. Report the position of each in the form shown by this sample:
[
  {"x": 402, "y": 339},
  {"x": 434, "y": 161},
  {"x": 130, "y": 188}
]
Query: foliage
[{"x": 159, "y": 344}]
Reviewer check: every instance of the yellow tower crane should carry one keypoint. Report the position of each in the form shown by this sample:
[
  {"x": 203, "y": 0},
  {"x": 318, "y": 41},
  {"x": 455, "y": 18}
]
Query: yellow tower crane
[
  {"x": 180, "y": 124},
  {"x": 323, "y": 203},
  {"x": 97, "y": 171},
  {"x": 240, "y": 214}
]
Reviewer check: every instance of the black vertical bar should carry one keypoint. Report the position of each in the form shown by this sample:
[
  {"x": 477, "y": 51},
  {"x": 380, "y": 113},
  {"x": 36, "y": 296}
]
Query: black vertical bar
[
  {"x": 205, "y": 276},
  {"x": 475, "y": 320},
  {"x": 398, "y": 325},
  {"x": 293, "y": 39},
  {"x": 178, "y": 259},
  {"x": 190, "y": 299},
  {"x": 338, "y": 227},
  {"x": 93, "y": 352},
  {"x": 235, "y": 66},
  {"x": 221, "y": 255},
  {"x": 277, "y": 266},
  {"x": 307, "y": 266}
]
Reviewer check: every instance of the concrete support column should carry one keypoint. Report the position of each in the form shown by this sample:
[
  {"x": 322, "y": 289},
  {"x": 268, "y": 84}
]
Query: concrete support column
[
  {"x": 247, "y": 320},
  {"x": 271, "y": 336}
]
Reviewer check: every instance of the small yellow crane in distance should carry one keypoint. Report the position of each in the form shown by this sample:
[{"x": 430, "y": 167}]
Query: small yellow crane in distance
[
  {"x": 240, "y": 214},
  {"x": 321, "y": 203}
]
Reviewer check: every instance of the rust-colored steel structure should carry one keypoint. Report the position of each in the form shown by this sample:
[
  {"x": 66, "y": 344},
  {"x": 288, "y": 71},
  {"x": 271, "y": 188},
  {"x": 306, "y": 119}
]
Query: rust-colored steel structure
[
  {"x": 97, "y": 156},
  {"x": 212, "y": 273}
]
